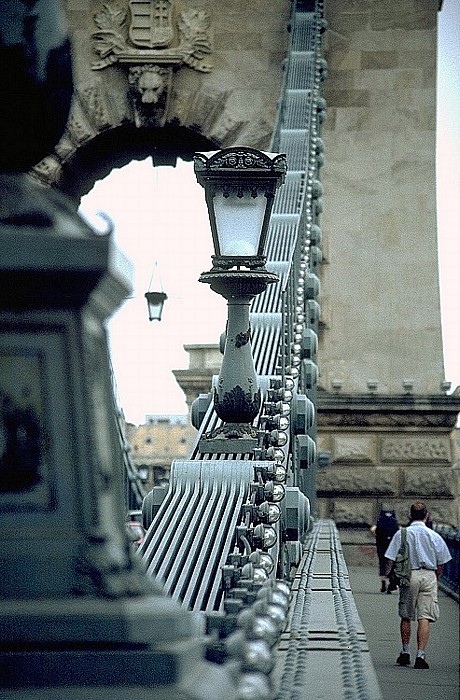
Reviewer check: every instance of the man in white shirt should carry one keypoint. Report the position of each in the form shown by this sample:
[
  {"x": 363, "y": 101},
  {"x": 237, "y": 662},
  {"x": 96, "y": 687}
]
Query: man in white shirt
[{"x": 428, "y": 553}]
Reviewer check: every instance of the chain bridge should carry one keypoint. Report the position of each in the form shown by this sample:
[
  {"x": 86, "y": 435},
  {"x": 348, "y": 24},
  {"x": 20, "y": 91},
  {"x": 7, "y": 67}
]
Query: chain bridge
[
  {"x": 210, "y": 538},
  {"x": 240, "y": 588}
]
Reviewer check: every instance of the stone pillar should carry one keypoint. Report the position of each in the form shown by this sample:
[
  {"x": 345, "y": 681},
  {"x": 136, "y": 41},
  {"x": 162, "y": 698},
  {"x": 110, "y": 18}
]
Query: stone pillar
[
  {"x": 78, "y": 610},
  {"x": 381, "y": 290}
]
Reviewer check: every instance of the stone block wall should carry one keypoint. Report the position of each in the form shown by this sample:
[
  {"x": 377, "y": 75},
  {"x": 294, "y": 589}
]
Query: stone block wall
[
  {"x": 379, "y": 180},
  {"x": 388, "y": 452},
  {"x": 366, "y": 472}
]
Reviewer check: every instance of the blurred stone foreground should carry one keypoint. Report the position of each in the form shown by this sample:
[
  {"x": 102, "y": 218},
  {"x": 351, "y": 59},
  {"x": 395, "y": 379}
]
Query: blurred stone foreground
[{"x": 77, "y": 609}]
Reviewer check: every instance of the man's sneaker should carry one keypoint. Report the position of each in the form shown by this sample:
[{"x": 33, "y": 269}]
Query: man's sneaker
[
  {"x": 403, "y": 659},
  {"x": 420, "y": 663}
]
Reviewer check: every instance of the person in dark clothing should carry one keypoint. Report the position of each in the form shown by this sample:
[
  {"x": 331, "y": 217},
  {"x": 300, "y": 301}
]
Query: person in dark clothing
[{"x": 384, "y": 530}]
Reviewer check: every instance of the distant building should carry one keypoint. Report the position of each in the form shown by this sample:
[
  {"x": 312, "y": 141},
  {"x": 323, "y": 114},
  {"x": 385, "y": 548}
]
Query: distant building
[
  {"x": 205, "y": 360},
  {"x": 156, "y": 443}
]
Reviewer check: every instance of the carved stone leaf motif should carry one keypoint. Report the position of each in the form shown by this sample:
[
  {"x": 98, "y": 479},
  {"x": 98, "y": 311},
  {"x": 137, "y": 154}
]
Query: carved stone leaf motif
[
  {"x": 109, "y": 17},
  {"x": 194, "y": 26},
  {"x": 111, "y": 38}
]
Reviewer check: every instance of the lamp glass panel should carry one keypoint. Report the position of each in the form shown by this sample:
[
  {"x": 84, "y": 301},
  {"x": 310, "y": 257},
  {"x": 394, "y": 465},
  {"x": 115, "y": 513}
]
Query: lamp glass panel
[
  {"x": 239, "y": 223},
  {"x": 155, "y": 311}
]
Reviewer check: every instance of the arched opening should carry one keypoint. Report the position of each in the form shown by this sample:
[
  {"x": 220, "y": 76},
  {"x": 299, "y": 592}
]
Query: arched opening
[
  {"x": 160, "y": 220},
  {"x": 118, "y": 147}
]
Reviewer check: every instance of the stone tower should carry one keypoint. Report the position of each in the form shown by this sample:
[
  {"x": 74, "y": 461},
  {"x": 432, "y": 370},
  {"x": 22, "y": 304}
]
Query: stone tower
[{"x": 385, "y": 419}]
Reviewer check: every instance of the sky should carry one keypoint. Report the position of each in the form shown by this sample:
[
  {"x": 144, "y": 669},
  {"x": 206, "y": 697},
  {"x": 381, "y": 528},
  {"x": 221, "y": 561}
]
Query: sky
[{"x": 161, "y": 224}]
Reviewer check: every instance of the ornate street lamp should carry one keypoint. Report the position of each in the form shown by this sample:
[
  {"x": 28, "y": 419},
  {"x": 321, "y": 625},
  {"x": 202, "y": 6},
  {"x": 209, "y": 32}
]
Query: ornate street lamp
[{"x": 240, "y": 185}]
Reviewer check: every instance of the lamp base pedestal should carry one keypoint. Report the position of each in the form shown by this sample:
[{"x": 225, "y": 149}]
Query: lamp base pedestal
[
  {"x": 230, "y": 438},
  {"x": 224, "y": 445},
  {"x": 237, "y": 398}
]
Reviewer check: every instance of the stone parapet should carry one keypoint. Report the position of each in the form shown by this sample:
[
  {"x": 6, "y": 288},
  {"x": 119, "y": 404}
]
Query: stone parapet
[{"x": 388, "y": 450}]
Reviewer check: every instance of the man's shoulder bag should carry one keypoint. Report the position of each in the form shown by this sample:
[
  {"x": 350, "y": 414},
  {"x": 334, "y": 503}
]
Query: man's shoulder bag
[{"x": 402, "y": 567}]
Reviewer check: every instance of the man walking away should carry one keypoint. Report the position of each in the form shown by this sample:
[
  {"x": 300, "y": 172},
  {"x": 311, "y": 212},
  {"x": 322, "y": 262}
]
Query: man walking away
[{"x": 428, "y": 553}]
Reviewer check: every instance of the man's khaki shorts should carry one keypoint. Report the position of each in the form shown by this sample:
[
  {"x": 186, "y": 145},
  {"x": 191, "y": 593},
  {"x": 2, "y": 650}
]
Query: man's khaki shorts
[{"x": 420, "y": 599}]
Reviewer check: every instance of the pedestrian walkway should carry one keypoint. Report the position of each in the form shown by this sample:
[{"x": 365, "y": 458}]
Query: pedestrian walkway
[{"x": 379, "y": 616}]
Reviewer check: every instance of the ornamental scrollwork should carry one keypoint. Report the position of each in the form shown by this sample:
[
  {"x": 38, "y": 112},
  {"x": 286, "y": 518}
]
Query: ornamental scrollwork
[
  {"x": 241, "y": 159},
  {"x": 237, "y": 406}
]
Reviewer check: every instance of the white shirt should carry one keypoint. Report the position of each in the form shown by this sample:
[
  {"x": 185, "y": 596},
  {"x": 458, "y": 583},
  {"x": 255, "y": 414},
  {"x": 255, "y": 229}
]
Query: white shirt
[{"x": 427, "y": 549}]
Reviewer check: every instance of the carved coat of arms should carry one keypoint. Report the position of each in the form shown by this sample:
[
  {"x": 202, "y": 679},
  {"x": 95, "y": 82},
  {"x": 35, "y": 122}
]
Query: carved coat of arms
[
  {"x": 154, "y": 39},
  {"x": 151, "y": 23},
  {"x": 151, "y": 31}
]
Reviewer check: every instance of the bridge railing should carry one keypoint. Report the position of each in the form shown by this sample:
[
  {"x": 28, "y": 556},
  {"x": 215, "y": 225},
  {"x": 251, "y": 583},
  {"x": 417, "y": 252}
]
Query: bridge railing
[
  {"x": 449, "y": 579},
  {"x": 133, "y": 486}
]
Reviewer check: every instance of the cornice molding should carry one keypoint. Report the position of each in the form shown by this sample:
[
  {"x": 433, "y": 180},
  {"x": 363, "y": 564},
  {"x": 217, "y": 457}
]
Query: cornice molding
[{"x": 388, "y": 411}]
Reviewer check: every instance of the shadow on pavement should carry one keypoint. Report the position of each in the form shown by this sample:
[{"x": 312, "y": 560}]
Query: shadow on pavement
[{"x": 379, "y": 616}]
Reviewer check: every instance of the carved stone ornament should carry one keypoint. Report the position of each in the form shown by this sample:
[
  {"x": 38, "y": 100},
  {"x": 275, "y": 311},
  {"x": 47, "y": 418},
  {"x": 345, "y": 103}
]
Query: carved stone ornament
[
  {"x": 149, "y": 81},
  {"x": 150, "y": 89},
  {"x": 416, "y": 449},
  {"x": 154, "y": 40},
  {"x": 380, "y": 420},
  {"x": 151, "y": 32}
]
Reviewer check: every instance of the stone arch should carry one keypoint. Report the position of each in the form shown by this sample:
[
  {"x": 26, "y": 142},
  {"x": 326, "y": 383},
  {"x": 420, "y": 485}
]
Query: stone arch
[
  {"x": 114, "y": 148},
  {"x": 103, "y": 132},
  {"x": 217, "y": 74}
]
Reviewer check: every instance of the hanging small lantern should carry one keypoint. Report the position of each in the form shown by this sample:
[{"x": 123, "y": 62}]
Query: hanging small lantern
[{"x": 155, "y": 301}]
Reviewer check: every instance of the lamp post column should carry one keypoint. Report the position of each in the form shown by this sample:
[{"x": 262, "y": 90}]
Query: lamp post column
[{"x": 237, "y": 395}]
